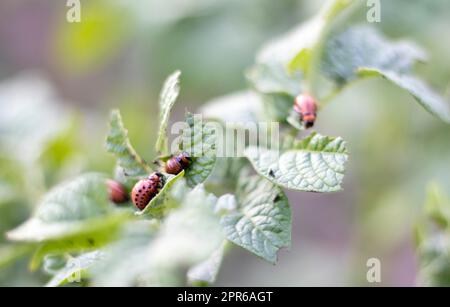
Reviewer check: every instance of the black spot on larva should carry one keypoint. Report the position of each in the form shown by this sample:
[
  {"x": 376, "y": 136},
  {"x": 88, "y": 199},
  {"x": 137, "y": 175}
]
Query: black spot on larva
[{"x": 91, "y": 242}]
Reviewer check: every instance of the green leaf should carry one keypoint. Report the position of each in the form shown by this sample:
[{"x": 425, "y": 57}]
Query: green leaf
[
  {"x": 288, "y": 65},
  {"x": 361, "y": 51},
  {"x": 76, "y": 269},
  {"x": 158, "y": 205},
  {"x": 238, "y": 107},
  {"x": 117, "y": 143},
  {"x": 294, "y": 48},
  {"x": 76, "y": 215},
  {"x": 188, "y": 235},
  {"x": 272, "y": 77},
  {"x": 262, "y": 223},
  {"x": 434, "y": 261},
  {"x": 277, "y": 107},
  {"x": 184, "y": 230},
  {"x": 364, "y": 46},
  {"x": 314, "y": 164},
  {"x": 277, "y": 89},
  {"x": 226, "y": 174},
  {"x": 433, "y": 243},
  {"x": 225, "y": 204},
  {"x": 168, "y": 96},
  {"x": 437, "y": 206},
  {"x": 422, "y": 93},
  {"x": 74, "y": 237},
  {"x": 199, "y": 140},
  {"x": 205, "y": 273},
  {"x": 84, "y": 197},
  {"x": 126, "y": 258},
  {"x": 433, "y": 239}
]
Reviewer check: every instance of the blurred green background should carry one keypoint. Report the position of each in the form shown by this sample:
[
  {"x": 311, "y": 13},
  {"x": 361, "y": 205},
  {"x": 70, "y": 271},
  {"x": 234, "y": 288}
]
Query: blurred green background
[{"x": 58, "y": 81}]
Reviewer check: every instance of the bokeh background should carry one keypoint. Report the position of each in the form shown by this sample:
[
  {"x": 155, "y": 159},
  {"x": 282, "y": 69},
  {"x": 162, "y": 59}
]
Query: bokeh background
[{"x": 58, "y": 81}]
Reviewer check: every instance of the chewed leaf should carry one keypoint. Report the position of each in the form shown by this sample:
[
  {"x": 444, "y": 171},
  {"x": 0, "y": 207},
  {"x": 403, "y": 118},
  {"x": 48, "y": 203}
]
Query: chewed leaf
[
  {"x": 314, "y": 164},
  {"x": 168, "y": 96},
  {"x": 262, "y": 224},
  {"x": 422, "y": 93},
  {"x": 199, "y": 140},
  {"x": 117, "y": 143},
  {"x": 159, "y": 203}
]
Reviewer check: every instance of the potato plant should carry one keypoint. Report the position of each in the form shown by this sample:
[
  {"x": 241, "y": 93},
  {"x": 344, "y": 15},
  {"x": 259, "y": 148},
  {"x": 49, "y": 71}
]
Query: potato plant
[{"x": 77, "y": 234}]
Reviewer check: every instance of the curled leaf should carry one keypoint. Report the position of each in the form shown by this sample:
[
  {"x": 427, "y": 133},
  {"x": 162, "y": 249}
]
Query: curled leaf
[{"x": 168, "y": 96}]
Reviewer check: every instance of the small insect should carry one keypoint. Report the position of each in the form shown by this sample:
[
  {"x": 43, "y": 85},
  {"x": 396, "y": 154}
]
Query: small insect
[
  {"x": 306, "y": 106},
  {"x": 146, "y": 189},
  {"x": 116, "y": 191},
  {"x": 178, "y": 163}
]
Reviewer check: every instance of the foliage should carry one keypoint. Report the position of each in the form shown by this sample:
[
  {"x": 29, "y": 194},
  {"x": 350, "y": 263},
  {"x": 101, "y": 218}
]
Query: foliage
[
  {"x": 433, "y": 239},
  {"x": 186, "y": 226}
]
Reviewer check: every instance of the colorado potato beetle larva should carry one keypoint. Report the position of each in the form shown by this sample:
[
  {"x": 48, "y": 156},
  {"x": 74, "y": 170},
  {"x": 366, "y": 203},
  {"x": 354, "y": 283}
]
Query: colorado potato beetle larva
[
  {"x": 116, "y": 191},
  {"x": 146, "y": 189},
  {"x": 178, "y": 163},
  {"x": 305, "y": 105}
]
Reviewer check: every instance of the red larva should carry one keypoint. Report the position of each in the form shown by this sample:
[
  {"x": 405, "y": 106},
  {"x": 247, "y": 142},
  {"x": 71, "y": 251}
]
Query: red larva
[
  {"x": 306, "y": 106},
  {"x": 178, "y": 163},
  {"x": 116, "y": 191},
  {"x": 145, "y": 189}
]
